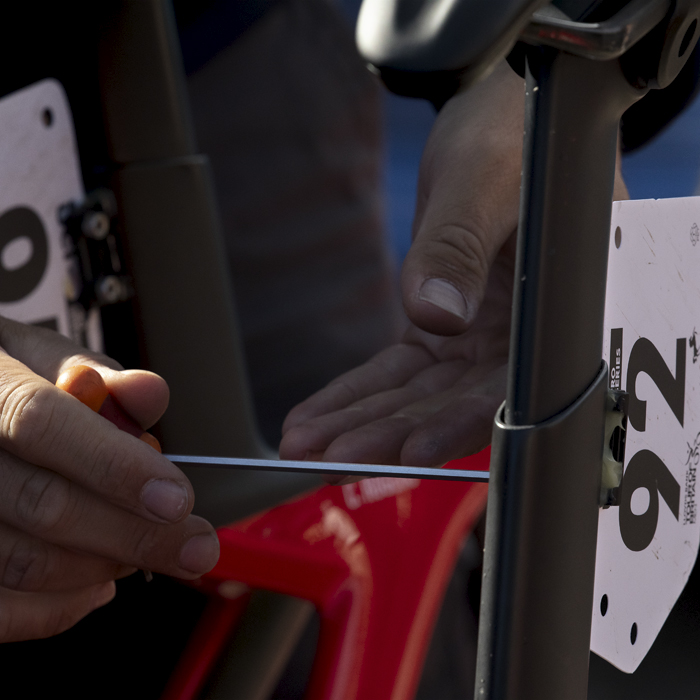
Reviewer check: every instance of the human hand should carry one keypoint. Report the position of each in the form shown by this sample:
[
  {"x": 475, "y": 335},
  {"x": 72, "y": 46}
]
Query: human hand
[
  {"x": 432, "y": 397},
  {"x": 82, "y": 503}
]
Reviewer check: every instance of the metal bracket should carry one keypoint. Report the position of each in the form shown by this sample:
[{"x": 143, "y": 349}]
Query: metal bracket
[
  {"x": 98, "y": 275},
  {"x": 541, "y": 514},
  {"x": 614, "y": 447},
  {"x": 602, "y": 41},
  {"x": 669, "y": 29}
]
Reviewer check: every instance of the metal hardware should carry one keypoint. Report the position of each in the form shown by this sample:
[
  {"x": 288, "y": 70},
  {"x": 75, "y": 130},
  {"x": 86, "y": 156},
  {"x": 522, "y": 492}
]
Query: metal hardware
[
  {"x": 658, "y": 59},
  {"x": 98, "y": 275},
  {"x": 601, "y": 41},
  {"x": 111, "y": 289},
  {"x": 95, "y": 225},
  {"x": 614, "y": 447},
  {"x": 336, "y": 468},
  {"x": 670, "y": 31},
  {"x": 539, "y": 554}
]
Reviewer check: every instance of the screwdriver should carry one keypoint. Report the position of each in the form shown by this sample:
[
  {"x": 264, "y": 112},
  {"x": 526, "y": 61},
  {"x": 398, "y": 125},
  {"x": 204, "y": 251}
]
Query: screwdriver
[
  {"x": 86, "y": 385},
  {"x": 332, "y": 468}
]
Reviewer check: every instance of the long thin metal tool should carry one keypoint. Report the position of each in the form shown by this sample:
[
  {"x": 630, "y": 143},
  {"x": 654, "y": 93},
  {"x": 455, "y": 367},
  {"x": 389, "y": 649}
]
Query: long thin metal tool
[{"x": 339, "y": 468}]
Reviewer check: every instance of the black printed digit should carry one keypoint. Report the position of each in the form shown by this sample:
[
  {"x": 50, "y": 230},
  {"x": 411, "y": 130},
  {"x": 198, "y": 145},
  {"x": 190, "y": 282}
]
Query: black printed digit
[
  {"x": 646, "y": 358},
  {"x": 22, "y": 222},
  {"x": 646, "y": 470}
]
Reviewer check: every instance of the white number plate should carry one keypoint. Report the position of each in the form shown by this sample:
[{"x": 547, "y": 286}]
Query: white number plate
[
  {"x": 648, "y": 545},
  {"x": 39, "y": 171}
]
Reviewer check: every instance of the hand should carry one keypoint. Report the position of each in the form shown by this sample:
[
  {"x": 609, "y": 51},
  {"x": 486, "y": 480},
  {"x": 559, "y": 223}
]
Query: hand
[
  {"x": 432, "y": 397},
  {"x": 81, "y": 502},
  {"x": 421, "y": 402}
]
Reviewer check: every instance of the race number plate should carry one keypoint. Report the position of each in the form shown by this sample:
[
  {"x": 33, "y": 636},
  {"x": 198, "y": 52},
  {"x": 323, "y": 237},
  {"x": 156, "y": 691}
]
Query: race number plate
[
  {"x": 39, "y": 171},
  {"x": 648, "y": 545}
]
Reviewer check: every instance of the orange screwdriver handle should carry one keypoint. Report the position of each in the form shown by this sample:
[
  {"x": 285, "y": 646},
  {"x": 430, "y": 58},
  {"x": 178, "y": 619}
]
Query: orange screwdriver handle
[{"x": 87, "y": 385}]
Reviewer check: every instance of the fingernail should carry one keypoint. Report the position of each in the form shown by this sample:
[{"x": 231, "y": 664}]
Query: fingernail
[
  {"x": 102, "y": 595},
  {"x": 200, "y": 554},
  {"x": 165, "y": 499},
  {"x": 445, "y": 296}
]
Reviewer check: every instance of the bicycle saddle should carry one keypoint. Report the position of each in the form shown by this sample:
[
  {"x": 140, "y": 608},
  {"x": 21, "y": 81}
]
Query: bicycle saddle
[{"x": 402, "y": 38}]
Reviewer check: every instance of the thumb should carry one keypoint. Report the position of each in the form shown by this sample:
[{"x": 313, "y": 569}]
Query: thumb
[
  {"x": 468, "y": 199},
  {"x": 445, "y": 273}
]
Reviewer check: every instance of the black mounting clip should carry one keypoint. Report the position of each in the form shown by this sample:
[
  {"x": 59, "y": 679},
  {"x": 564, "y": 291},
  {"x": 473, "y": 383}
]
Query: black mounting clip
[{"x": 97, "y": 277}]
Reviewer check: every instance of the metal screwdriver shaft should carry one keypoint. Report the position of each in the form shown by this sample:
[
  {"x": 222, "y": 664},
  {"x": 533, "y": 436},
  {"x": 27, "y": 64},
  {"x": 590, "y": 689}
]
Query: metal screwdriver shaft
[{"x": 335, "y": 468}]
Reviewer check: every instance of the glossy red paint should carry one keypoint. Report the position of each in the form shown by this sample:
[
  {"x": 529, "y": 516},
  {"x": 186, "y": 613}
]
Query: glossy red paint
[{"x": 374, "y": 557}]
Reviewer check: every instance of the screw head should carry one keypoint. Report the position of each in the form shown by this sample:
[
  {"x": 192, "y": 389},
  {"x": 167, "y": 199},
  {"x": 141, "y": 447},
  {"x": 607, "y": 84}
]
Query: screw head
[
  {"x": 109, "y": 289},
  {"x": 95, "y": 225}
]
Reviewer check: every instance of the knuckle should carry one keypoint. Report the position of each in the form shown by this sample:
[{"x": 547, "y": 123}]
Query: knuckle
[
  {"x": 345, "y": 391},
  {"x": 147, "y": 545},
  {"x": 44, "y": 502},
  {"x": 25, "y": 415},
  {"x": 94, "y": 359},
  {"x": 113, "y": 472},
  {"x": 459, "y": 249},
  {"x": 27, "y": 566}
]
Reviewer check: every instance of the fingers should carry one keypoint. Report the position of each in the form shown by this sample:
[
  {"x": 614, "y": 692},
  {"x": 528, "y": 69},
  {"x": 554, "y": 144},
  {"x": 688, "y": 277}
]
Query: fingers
[
  {"x": 88, "y": 386},
  {"x": 468, "y": 203},
  {"x": 143, "y": 395},
  {"x": 462, "y": 428},
  {"x": 44, "y": 351},
  {"x": 315, "y": 435},
  {"x": 383, "y": 440},
  {"x": 82, "y": 503},
  {"x": 46, "y": 427},
  {"x": 31, "y": 564},
  {"x": 26, "y": 616},
  {"x": 47, "y": 506},
  {"x": 138, "y": 397},
  {"x": 445, "y": 411},
  {"x": 428, "y": 433},
  {"x": 388, "y": 369}
]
